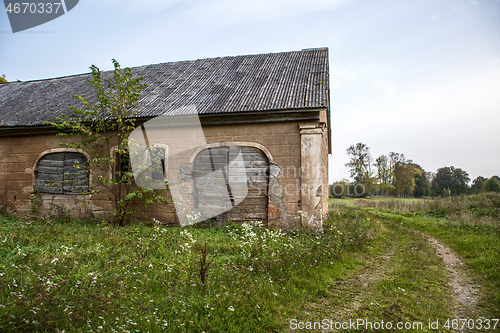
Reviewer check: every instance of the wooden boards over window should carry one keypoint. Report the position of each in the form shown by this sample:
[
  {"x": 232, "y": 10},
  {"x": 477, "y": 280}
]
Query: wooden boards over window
[{"x": 62, "y": 173}]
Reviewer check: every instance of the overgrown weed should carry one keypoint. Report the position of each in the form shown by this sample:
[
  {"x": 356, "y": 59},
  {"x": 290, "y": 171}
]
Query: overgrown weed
[
  {"x": 481, "y": 209},
  {"x": 71, "y": 275},
  {"x": 469, "y": 225}
]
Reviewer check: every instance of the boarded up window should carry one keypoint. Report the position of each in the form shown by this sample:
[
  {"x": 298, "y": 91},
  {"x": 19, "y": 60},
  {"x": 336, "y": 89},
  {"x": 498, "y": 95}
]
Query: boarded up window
[
  {"x": 250, "y": 177},
  {"x": 62, "y": 173}
]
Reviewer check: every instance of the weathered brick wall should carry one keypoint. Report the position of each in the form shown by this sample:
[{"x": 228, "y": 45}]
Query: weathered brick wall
[{"x": 18, "y": 156}]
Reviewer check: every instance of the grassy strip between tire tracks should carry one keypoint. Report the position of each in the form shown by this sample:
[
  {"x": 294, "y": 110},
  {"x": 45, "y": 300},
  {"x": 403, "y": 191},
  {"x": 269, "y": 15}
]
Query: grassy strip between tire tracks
[
  {"x": 401, "y": 281},
  {"x": 477, "y": 245}
]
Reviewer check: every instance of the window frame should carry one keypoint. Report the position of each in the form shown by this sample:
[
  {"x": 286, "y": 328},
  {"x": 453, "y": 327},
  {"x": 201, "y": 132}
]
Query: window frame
[
  {"x": 42, "y": 155},
  {"x": 155, "y": 145}
]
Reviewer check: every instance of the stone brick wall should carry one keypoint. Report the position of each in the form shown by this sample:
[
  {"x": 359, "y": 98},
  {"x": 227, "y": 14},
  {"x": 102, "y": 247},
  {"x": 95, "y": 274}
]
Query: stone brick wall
[{"x": 18, "y": 157}]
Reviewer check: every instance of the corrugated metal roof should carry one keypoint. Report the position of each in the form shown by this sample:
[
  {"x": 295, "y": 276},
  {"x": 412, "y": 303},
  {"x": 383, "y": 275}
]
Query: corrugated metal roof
[{"x": 263, "y": 82}]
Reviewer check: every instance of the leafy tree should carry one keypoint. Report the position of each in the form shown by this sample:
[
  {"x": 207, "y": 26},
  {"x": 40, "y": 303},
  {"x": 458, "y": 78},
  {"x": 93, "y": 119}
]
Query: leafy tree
[
  {"x": 395, "y": 174},
  {"x": 404, "y": 175},
  {"x": 442, "y": 180},
  {"x": 477, "y": 184},
  {"x": 370, "y": 184},
  {"x": 453, "y": 179},
  {"x": 431, "y": 176},
  {"x": 396, "y": 158},
  {"x": 360, "y": 163},
  {"x": 422, "y": 184},
  {"x": 460, "y": 184},
  {"x": 384, "y": 174},
  {"x": 445, "y": 193},
  {"x": 102, "y": 129},
  {"x": 3, "y": 79},
  {"x": 492, "y": 185}
]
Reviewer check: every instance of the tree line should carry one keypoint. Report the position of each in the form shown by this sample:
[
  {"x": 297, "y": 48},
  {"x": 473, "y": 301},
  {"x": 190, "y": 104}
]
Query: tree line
[{"x": 395, "y": 175}]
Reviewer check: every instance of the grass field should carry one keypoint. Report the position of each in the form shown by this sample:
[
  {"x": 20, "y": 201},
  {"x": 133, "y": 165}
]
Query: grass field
[
  {"x": 373, "y": 262},
  {"x": 468, "y": 225},
  {"x": 400, "y": 280},
  {"x": 80, "y": 276}
]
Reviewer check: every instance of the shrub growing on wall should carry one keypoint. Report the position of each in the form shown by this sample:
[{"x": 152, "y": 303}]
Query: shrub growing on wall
[{"x": 101, "y": 129}]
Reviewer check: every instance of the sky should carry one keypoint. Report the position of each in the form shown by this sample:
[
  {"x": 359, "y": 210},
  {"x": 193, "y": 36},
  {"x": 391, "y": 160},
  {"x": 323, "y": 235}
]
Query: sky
[{"x": 420, "y": 78}]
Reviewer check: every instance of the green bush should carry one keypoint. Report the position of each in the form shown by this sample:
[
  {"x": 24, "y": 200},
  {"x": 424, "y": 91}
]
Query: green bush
[{"x": 491, "y": 185}]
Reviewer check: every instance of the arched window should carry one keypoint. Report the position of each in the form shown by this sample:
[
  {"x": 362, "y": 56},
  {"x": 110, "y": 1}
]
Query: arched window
[{"x": 62, "y": 173}]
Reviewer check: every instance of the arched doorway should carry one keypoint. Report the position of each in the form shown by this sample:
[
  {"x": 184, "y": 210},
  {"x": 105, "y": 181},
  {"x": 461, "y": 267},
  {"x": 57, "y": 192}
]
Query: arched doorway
[{"x": 233, "y": 179}]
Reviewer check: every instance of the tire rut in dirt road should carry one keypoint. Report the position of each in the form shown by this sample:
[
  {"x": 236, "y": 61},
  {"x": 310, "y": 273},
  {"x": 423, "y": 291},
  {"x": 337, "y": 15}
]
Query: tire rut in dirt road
[
  {"x": 404, "y": 258},
  {"x": 362, "y": 285},
  {"x": 466, "y": 292},
  {"x": 346, "y": 297}
]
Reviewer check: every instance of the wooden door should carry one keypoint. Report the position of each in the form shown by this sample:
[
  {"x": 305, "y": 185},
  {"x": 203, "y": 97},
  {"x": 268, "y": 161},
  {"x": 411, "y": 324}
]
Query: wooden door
[{"x": 232, "y": 179}]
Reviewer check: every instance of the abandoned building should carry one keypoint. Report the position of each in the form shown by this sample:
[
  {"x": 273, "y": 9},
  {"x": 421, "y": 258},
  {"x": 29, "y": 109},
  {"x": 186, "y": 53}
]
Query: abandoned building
[{"x": 274, "y": 108}]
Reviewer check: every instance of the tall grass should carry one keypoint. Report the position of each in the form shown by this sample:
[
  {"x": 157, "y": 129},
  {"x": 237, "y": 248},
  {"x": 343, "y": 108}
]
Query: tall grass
[
  {"x": 79, "y": 276},
  {"x": 482, "y": 209}
]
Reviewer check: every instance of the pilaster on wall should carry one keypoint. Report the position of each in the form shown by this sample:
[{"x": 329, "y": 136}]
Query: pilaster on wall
[
  {"x": 185, "y": 204},
  {"x": 311, "y": 179}
]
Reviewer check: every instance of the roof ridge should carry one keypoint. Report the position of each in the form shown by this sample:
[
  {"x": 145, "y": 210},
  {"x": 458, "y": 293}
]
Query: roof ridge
[
  {"x": 171, "y": 62},
  {"x": 51, "y": 78},
  {"x": 316, "y": 48},
  {"x": 236, "y": 56}
]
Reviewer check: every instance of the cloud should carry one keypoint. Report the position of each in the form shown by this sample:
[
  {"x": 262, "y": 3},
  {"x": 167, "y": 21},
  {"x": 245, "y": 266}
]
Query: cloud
[
  {"x": 374, "y": 74},
  {"x": 339, "y": 76},
  {"x": 135, "y": 5},
  {"x": 465, "y": 6},
  {"x": 388, "y": 88},
  {"x": 226, "y": 11},
  {"x": 444, "y": 118},
  {"x": 230, "y": 11}
]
